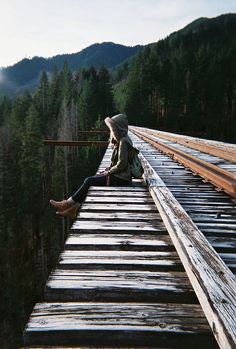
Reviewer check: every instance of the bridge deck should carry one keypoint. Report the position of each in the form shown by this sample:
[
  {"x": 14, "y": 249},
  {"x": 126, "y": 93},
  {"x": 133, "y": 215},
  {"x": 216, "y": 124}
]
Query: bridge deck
[{"x": 119, "y": 281}]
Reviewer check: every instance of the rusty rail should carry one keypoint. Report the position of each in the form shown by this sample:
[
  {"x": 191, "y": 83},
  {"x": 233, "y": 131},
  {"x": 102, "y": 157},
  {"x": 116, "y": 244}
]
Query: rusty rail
[
  {"x": 220, "y": 178},
  {"x": 197, "y": 145}
]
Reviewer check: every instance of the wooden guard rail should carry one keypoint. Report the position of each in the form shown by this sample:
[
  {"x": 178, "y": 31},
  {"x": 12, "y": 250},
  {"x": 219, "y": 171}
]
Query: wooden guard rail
[{"x": 213, "y": 283}]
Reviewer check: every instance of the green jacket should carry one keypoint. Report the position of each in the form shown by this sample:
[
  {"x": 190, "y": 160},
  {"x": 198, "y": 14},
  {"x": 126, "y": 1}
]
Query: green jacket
[{"x": 122, "y": 147}]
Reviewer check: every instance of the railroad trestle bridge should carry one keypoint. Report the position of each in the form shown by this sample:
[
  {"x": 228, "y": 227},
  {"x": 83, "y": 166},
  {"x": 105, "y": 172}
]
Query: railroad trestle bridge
[{"x": 151, "y": 265}]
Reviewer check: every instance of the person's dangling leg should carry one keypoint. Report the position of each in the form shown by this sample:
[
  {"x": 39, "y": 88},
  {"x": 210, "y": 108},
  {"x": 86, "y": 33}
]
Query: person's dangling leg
[
  {"x": 80, "y": 194},
  {"x": 69, "y": 207}
]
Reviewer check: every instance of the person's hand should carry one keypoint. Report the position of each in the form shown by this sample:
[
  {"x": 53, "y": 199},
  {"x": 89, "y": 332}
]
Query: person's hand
[{"x": 105, "y": 172}]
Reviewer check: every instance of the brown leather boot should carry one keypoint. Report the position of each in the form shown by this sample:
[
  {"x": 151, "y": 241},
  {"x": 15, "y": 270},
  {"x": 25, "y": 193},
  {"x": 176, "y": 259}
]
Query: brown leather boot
[
  {"x": 71, "y": 212},
  {"x": 60, "y": 205}
]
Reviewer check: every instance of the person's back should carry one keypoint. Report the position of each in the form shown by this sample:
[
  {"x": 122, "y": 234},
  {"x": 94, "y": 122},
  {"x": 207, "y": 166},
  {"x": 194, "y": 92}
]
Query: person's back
[{"x": 122, "y": 145}]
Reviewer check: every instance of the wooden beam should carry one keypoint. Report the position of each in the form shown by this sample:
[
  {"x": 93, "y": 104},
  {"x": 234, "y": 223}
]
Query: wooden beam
[
  {"x": 118, "y": 325},
  {"x": 94, "y": 132},
  {"x": 75, "y": 143},
  {"x": 213, "y": 283}
]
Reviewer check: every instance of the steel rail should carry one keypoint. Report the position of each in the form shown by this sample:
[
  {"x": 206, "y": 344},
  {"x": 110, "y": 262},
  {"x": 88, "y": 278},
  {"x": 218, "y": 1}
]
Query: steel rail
[
  {"x": 220, "y": 178},
  {"x": 197, "y": 145}
]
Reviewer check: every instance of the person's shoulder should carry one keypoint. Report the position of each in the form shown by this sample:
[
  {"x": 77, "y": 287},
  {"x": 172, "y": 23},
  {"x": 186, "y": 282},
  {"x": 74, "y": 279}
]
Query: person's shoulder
[{"x": 126, "y": 139}]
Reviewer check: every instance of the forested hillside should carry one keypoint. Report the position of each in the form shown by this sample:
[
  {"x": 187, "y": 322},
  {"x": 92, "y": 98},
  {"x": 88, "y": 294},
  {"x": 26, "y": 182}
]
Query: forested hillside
[
  {"x": 25, "y": 74},
  {"x": 31, "y": 235},
  {"x": 186, "y": 82}
]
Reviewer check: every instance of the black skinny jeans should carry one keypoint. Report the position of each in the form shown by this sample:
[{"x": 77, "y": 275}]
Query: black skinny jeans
[{"x": 98, "y": 180}]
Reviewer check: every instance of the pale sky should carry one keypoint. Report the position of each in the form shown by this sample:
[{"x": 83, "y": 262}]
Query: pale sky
[{"x": 49, "y": 27}]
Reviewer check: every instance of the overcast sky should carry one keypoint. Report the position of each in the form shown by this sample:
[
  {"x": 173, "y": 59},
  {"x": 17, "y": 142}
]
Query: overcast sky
[{"x": 48, "y": 27}]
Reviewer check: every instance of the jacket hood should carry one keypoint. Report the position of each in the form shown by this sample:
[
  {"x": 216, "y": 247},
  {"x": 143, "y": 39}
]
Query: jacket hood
[{"x": 118, "y": 125}]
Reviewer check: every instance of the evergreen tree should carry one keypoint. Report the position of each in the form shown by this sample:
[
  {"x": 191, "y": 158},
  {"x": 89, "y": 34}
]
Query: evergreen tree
[
  {"x": 5, "y": 109},
  {"x": 104, "y": 94},
  {"x": 31, "y": 161},
  {"x": 87, "y": 104},
  {"x": 41, "y": 102}
]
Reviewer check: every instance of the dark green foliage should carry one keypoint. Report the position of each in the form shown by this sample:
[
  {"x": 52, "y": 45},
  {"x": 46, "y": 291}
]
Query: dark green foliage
[
  {"x": 95, "y": 99},
  {"x": 187, "y": 82},
  {"x": 31, "y": 235},
  {"x": 5, "y": 109}
]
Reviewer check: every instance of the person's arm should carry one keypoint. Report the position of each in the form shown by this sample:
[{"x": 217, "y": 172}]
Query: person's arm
[{"x": 122, "y": 158}]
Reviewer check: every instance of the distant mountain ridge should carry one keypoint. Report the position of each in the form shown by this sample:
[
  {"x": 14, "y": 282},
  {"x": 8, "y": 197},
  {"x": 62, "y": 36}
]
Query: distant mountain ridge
[
  {"x": 25, "y": 74},
  {"x": 207, "y": 25}
]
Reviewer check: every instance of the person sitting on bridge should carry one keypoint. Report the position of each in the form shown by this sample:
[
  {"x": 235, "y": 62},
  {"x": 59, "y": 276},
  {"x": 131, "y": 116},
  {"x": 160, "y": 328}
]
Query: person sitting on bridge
[{"x": 118, "y": 174}]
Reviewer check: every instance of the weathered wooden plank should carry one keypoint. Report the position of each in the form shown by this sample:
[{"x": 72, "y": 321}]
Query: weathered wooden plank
[
  {"x": 123, "y": 226},
  {"x": 217, "y": 208},
  {"x": 199, "y": 194},
  {"x": 114, "y": 260},
  {"x": 119, "y": 193},
  {"x": 130, "y": 188},
  {"x": 192, "y": 190},
  {"x": 118, "y": 241},
  {"x": 181, "y": 180},
  {"x": 117, "y": 207},
  {"x": 119, "y": 216},
  {"x": 118, "y": 286},
  {"x": 201, "y": 186},
  {"x": 217, "y": 211},
  {"x": 217, "y": 232},
  {"x": 204, "y": 201},
  {"x": 223, "y": 244},
  {"x": 110, "y": 324},
  {"x": 218, "y": 225},
  {"x": 122, "y": 199},
  {"x": 212, "y": 217}
]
